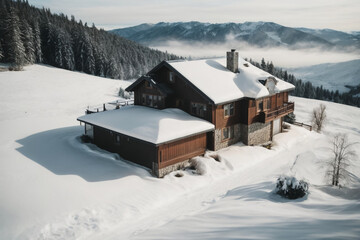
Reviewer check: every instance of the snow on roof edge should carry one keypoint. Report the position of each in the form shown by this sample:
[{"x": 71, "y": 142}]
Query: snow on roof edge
[{"x": 154, "y": 126}]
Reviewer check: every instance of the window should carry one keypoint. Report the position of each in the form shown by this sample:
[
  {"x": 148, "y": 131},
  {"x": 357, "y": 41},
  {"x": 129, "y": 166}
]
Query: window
[
  {"x": 252, "y": 103},
  {"x": 261, "y": 106},
  {"x": 172, "y": 77},
  {"x": 228, "y": 133},
  {"x": 198, "y": 109},
  {"x": 117, "y": 139},
  {"x": 151, "y": 100},
  {"x": 143, "y": 99},
  {"x": 147, "y": 84},
  {"x": 229, "y": 109},
  {"x": 89, "y": 130}
]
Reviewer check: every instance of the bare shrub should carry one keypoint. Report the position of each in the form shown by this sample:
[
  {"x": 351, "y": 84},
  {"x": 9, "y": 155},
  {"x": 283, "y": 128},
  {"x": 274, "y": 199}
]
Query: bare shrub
[
  {"x": 343, "y": 155},
  {"x": 319, "y": 117}
]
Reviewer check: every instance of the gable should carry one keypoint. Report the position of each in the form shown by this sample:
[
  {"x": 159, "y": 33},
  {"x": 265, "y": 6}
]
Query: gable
[{"x": 163, "y": 70}]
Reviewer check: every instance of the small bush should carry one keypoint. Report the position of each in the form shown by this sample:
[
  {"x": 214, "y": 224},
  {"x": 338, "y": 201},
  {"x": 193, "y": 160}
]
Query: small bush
[
  {"x": 285, "y": 126},
  {"x": 291, "y": 188},
  {"x": 198, "y": 166},
  {"x": 179, "y": 174},
  {"x": 290, "y": 118},
  {"x": 124, "y": 94}
]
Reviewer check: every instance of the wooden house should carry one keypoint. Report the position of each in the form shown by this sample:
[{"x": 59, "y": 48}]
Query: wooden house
[{"x": 239, "y": 102}]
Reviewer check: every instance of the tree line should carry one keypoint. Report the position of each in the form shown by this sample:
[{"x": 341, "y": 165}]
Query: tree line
[
  {"x": 305, "y": 89},
  {"x": 30, "y": 35}
]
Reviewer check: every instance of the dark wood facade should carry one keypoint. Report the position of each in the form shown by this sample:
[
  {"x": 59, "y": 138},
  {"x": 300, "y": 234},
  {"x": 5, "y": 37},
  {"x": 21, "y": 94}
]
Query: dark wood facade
[
  {"x": 181, "y": 150},
  {"x": 153, "y": 156}
]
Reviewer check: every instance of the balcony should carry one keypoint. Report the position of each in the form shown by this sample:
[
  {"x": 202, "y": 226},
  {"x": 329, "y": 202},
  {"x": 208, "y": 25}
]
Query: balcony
[{"x": 279, "y": 112}]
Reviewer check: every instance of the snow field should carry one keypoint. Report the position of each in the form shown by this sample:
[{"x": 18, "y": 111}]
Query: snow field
[{"x": 54, "y": 187}]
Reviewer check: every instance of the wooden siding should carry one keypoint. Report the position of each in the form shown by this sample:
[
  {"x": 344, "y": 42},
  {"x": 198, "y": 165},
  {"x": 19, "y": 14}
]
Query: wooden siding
[
  {"x": 221, "y": 121},
  {"x": 181, "y": 150},
  {"x": 250, "y": 112},
  {"x": 132, "y": 149},
  {"x": 142, "y": 89},
  {"x": 183, "y": 95}
]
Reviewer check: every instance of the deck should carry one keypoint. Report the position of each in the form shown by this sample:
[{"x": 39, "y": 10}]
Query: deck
[
  {"x": 110, "y": 106},
  {"x": 284, "y": 110}
]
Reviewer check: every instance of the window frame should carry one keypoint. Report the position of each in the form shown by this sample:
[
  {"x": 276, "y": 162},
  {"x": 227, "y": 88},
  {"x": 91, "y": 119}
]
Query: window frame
[
  {"x": 151, "y": 100},
  {"x": 200, "y": 109},
  {"x": 230, "y": 108},
  {"x": 117, "y": 139},
  {"x": 148, "y": 85},
  {"x": 171, "y": 77},
  {"x": 229, "y": 132}
]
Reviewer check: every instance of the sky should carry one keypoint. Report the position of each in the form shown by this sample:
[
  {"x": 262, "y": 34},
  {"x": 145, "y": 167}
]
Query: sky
[{"x": 340, "y": 15}]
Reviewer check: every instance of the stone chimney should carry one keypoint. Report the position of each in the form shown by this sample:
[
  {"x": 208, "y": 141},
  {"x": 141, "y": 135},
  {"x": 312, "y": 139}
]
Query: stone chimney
[{"x": 232, "y": 61}]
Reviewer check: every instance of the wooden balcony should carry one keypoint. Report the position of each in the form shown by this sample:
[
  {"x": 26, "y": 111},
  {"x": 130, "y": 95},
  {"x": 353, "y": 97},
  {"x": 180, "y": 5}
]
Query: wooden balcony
[{"x": 284, "y": 110}]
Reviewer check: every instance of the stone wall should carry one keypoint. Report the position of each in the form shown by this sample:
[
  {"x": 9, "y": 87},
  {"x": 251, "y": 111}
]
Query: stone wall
[
  {"x": 166, "y": 170},
  {"x": 256, "y": 133},
  {"x": 222, "y": 144}
]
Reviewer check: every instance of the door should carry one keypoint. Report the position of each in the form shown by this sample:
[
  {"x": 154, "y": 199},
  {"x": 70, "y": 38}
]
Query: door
[{"x": 276, "y": 126}]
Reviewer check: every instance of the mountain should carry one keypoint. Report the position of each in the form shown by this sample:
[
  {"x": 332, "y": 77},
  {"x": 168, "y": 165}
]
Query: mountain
[
  {"x": 261, "y": 34},
  {"x": 30, "y": 35},
  {"x": 332, "y": 76},
  {"x": 338, "y": 38}
]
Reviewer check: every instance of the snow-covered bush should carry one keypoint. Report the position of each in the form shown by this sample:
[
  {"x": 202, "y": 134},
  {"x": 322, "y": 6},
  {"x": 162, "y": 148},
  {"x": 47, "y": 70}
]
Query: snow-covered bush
[
  {"x": 124, "y": 94},
  {"x": 290, "y": 118},
  {"x": 291, "y": 188},
  {"x": 198, "y": 165}
]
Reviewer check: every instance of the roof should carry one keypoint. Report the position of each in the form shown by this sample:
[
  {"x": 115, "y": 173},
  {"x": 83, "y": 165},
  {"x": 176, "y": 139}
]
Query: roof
[
  {"x": 221, "y": 85},
  {"x": 149, "y": 124}
]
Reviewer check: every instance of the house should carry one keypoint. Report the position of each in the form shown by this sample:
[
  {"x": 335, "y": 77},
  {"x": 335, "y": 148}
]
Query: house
[{"x": 208, "y": 104}]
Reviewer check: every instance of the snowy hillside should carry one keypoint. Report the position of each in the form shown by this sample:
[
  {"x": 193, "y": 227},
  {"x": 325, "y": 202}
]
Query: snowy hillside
[
  {"x": 332, "y": 76},
  {"x": 54, "y": 187}
]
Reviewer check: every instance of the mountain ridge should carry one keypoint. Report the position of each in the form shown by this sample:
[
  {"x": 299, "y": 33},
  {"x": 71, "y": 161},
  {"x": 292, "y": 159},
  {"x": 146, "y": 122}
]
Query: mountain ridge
[{"x": 260, "y": 34}]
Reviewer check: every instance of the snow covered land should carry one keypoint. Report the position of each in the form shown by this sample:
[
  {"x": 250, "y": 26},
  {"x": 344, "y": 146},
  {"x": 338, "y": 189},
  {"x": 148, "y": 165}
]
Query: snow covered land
[{"x": 54, "y": 187}]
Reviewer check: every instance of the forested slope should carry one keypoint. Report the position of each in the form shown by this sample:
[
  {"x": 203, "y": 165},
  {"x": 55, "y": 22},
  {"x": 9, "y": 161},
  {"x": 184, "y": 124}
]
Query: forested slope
[{"x": 30, "y": 35}]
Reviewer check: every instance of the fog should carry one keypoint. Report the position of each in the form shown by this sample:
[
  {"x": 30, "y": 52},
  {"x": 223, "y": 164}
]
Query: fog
[{"x": 281, "y": 57}]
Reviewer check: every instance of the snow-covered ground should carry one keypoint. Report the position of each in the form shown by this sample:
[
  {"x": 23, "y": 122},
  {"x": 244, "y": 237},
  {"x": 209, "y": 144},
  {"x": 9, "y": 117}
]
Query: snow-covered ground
[{"x": 54, "y": 187}]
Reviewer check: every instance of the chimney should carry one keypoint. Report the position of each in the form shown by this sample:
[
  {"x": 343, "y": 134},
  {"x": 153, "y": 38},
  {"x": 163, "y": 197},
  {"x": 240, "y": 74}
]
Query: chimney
[{"x": 232, "y": 61}]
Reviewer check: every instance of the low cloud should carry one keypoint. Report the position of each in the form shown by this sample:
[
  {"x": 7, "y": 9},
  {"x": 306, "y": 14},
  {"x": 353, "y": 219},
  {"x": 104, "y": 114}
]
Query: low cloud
[{"x": 279, "y": 56}]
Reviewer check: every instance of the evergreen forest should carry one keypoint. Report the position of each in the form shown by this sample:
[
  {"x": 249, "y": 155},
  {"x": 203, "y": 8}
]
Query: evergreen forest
[{"x": 30, "y": 35}]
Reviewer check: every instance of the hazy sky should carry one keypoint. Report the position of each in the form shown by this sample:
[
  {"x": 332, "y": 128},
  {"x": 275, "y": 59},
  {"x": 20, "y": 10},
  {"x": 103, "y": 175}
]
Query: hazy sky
[{"x": 341, "y": 15}]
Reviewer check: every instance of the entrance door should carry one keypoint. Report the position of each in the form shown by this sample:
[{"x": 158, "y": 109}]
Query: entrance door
[{"x": 276, "y": 126}]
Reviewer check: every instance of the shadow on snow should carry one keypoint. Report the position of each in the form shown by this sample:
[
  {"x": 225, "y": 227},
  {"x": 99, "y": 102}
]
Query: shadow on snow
[{"x": 62, "y": 152}]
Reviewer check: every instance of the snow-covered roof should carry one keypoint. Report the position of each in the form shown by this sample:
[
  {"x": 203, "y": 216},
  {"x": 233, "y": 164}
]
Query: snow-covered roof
[
  {"x": 149, "y": 124},
  {"x": 221, "y": 85}
]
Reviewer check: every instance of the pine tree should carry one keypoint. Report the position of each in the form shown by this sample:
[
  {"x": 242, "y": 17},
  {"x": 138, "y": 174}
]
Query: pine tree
[
  {"x": 1, "y": 52},
  {"x": 37, "y": 42},
  {"x": 27, "y": 37},
  {"x": 14, "y": 46},
  {"x": 263, "y": 64}
]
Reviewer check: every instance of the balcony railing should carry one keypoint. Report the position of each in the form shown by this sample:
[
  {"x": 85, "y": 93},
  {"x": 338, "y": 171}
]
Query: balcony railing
[{"x": 279, "y": 112}]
